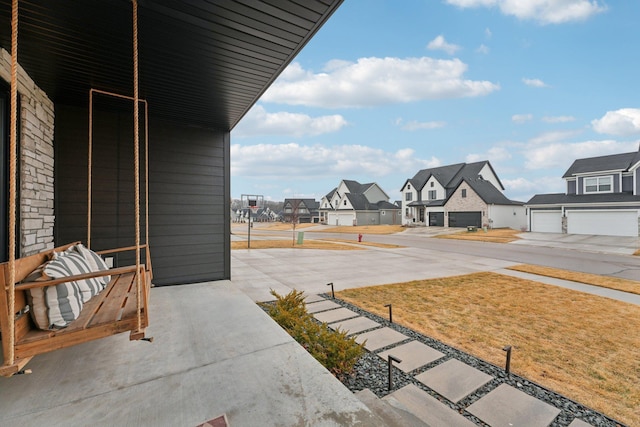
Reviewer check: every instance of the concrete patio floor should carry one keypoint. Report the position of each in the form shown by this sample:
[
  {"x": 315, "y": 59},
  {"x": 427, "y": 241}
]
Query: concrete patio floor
[{"x": 214, "y": 352}]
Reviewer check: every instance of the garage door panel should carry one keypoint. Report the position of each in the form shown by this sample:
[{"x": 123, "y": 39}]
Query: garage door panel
[
  {"x": 605, "y": 223},
  {"x": 465, "y": 219},
  {"x": 546, "y": 221},
  {"x": 436, "y": 219}
]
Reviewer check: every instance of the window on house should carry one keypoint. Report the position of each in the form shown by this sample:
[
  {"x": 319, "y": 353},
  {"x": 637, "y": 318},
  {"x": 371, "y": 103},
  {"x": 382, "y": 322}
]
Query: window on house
[
  {"x": 345, "y": 203},
  {"x": 408, "y": 197},
  {"x": 600, "y": 184},
  {"x": 464, "y": 192},
  {"x": 432, "y": 194},
  {"x": 408, "y": 186},
  {"x": 432, "y": 184}
]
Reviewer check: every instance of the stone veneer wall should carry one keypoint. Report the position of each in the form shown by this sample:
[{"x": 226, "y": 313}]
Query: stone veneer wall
[
  {"x": 471, "y": 203},
  {"x": 36, "y": 159}
]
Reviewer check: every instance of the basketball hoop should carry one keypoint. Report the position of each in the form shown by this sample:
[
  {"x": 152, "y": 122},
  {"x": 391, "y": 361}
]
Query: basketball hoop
[{"x": 254, "y": 209}]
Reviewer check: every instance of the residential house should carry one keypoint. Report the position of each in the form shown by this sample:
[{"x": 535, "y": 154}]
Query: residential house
[
  {"x": 602, "y": 197},
  {"x": 352, "y": 203},
  {"x": 459, "y": 195},
  {"x": 301, "y": 211}
]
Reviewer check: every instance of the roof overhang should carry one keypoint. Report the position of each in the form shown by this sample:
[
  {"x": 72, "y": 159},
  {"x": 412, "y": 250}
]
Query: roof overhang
[{"x": 201, "y": 62}]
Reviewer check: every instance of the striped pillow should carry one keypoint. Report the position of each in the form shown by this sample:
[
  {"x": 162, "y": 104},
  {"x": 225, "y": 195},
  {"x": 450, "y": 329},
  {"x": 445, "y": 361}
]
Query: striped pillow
[
  {"x": 95, "y": 261},
  {"x": 56, "y": 306},
  {"x": 70, "y": 263}
]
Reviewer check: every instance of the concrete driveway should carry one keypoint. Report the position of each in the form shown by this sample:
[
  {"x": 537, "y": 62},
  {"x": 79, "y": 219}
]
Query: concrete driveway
[{"x": 582, "y": 242}]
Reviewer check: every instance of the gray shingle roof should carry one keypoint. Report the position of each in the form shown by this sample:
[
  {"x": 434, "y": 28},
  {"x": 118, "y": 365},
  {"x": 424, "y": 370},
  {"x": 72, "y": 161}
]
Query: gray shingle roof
[
  {"x": 450, "y": 176},
  {"x": 603, "y": 163},
  {"x": 360, "y": 203},
  {"x": 563, "y": 199},
  {"x": 489, "y": 193}
]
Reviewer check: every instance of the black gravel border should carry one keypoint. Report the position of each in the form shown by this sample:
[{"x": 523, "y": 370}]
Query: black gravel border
[{"x": 372, "y": 372}]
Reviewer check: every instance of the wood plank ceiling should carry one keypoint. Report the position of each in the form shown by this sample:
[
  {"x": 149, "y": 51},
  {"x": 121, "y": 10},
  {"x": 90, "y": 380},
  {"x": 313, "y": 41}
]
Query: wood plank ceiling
[{"x": 201, "y": 62}]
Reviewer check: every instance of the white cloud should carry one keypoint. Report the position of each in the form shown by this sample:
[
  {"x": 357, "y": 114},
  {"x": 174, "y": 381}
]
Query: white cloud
[
  {"x": 623, "y": 122},
  {"x": 562, "y": 155},
  {"x": 259, "y": 122},
  {"x": 542, "y": 11},
  {"x": 494, "y": 155},
  {"x": 439, "y": 43},
  {"x": 293, "y": 161},
  {"x": 534, "y": 82},
  {"x": 488, "y": 33},
  {"x": 415, "y": 125},
  {"x": 558, "y": 119},
  {"x": 376, "y": 81},
  {"x": 482, "y": 49},
  {"x": 554, "y": 136},
  {"x": 523, "y": 189},
  {"x": 521, "y": 118}
]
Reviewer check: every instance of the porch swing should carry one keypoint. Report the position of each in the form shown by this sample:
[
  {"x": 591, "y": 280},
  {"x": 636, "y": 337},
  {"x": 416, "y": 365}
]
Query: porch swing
[{"x": 123, "y": 303}]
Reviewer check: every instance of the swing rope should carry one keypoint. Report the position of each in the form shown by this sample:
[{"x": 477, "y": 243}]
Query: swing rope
[
  {"x": 12, "y": 180},
  {"x": 136, "y": 156}
]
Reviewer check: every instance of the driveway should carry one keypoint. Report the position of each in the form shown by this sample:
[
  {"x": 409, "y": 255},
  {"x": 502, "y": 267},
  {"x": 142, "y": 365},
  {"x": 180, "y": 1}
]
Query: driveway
[{"x": 582, "y": 242}]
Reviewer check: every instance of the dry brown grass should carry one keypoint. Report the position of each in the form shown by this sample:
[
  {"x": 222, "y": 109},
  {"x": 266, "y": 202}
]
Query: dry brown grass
[
  {"x": 624, "y": 285},
  {"x": 637, "y": 253},
  {"x": 364, "y": 229},
  {"x": 496, "y": 235},
  {"x": 583, "y": 346},
  {"x": 288, "y": 244}
]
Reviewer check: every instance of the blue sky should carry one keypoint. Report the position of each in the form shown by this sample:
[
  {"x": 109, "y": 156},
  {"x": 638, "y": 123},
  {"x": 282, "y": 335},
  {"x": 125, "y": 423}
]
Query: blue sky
[{"x": 389, "y": 87}]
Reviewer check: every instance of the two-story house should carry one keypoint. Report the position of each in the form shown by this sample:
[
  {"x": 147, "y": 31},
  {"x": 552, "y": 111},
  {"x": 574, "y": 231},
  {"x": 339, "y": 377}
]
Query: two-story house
[
  {"x": 352, "y": 203},
  {"x": 602, "y": 197},
  {"x": 459, "y": 195},
  {"x": 300, "y": 210}
]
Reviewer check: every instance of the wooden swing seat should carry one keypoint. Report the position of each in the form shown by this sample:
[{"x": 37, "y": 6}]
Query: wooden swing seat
[{"x": 112, "y": 311}]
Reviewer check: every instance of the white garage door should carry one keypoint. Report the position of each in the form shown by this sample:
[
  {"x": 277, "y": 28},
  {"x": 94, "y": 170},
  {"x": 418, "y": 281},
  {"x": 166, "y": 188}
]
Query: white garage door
[
  {"x": 341, "y": 219},
  {"x": 546, "y": 221},
  {"x": 604, "y": 223}
]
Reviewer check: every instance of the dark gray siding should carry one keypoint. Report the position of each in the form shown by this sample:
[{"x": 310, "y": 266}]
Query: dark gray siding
[
  {"x": 571, "y": 187},
  {"x": 580, "y": 185},
  {"x": 616, "y": 183},
  {"x": 627, "y": 184},
  {"x": 188, "y": 192}
]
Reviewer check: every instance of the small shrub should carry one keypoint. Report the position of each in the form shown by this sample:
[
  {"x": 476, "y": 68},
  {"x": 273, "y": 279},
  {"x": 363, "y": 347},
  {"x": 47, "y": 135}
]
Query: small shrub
[{"x": 333, "y": 349}]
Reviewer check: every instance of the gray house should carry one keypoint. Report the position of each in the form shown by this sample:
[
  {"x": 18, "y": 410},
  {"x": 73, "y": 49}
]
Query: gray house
[
  {"x": 602, "y": 197},
  {"x": 352, "y": 203},
  {"x": 300, "y": 210}
]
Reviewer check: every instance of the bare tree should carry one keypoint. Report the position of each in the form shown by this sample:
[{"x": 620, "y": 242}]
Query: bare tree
[{"x": 292, "y": 212}]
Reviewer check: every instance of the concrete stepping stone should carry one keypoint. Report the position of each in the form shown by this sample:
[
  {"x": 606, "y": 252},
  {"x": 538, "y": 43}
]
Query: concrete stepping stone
[
  {"x": 454, "y": 379},
  {"x": 315, "y": 307},
  {"x": 313, "y": 298},
  {"x": 355, "y": 325},
  {"x": 380, "y": 338},
  {"x": 413, "y": 355},
  {"x": 508, "y": 406},
  {"x": 579, "y": 423},
  {"x": 426, "y": 407},
  {"x": 334, "y": 315}
]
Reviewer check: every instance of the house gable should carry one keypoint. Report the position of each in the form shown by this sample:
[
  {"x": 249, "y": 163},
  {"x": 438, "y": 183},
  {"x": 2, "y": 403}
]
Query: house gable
[
  {"x": 433, "y": 190},
  {"x": 375, "y": 194}
]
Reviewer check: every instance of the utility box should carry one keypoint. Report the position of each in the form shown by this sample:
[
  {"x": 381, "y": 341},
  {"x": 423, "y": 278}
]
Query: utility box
[{"x": 300, "y": 237}]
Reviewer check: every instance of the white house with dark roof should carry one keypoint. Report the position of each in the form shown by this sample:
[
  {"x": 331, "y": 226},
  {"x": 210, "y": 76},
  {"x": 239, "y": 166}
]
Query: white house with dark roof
[
  {"x": 352, "y": 203},
  {"x": 459, "y": 195},
  {"x": 602, "y": 197}
]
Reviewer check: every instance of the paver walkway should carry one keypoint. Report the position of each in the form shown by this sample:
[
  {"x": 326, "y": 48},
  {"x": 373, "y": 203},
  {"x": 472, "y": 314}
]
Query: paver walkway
[{"x": 447, "y": 380}]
